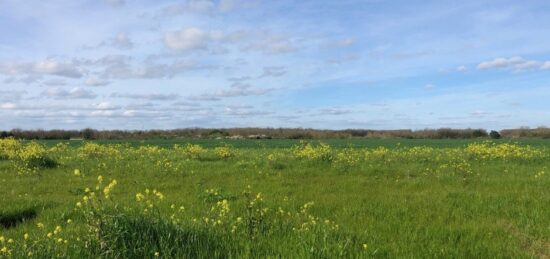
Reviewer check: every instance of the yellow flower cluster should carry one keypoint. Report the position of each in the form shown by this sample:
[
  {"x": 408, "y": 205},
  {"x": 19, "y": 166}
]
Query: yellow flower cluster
[
  {"x": 59, "y": 147},
  {"x": 218, "y": 214},
  {"x": 224, "y": 152},
  {"x": 30, "y": 157},
  {"x": 308, "y": 222},
  {"x": 91, "y": 201},
  {"x": 9, "y": 147},
  {"x": 148, "y": 150},
  {"x": 540, "y": 174},
  {"x": 307, "y": 151},
  {"x": 347, "y": 157},
  {"x": 148, "y": 199},
  {"x": 491, "y": 150},
  {"x": 107, "y": 190},
  {"x": 94, "y": 150},
  {"x": 5, "y": 243},
  {"x": 193, "y": 151}
]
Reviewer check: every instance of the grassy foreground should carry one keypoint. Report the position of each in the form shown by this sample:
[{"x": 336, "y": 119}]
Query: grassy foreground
[{"x": 284, "y": 199}]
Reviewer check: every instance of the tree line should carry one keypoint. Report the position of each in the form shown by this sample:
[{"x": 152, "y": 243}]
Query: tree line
[{"x": 277, "y": 133}]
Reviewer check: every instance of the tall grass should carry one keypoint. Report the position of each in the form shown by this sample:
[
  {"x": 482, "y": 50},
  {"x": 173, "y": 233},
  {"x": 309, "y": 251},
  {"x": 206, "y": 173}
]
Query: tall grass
[{"x": 461, "y": 200}]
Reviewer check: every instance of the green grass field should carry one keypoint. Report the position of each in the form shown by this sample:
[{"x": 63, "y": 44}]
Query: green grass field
[
  {"x": 275, "y": 198},
  {"x": 288, "y": 143}
]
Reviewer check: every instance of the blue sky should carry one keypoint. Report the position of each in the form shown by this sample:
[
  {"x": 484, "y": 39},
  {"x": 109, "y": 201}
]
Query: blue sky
[{"x": 136, "y": 64}]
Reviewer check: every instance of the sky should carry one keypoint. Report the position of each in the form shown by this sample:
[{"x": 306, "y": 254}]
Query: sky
[{"x": 373, "y": 64}]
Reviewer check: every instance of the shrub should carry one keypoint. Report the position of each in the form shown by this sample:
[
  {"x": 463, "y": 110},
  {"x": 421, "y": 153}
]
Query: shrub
[
  {"x": 224, "y": 152},
  {"x": 9, "y": 148},
  {"x": 494, "y": 134},
  {"x": 32, "y": 157},
  {"x": 194, "y": 151},
  {"x": 305, "y": 150},
  {"x": 479, "y": 133}
]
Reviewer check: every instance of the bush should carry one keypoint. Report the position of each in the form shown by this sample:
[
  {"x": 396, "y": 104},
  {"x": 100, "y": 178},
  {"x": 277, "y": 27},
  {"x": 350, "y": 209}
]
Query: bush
[
  {"x": 32, "y": 157},
  {"x": 494, "y": 134},
  {"x": 224, "y": 152},
  {"x": 9, "y": 148},
  {"x": 305, "y": 150},
  {"x": 479, "y": 133},
  {"x": 193, "y": 151}
]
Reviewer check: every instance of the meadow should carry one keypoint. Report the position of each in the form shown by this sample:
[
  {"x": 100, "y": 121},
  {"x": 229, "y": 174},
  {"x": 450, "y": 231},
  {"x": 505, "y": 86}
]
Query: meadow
[{"x": 334, "y": 198}]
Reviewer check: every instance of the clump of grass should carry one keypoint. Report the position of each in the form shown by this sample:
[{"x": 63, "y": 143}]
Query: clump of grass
[
  {"x": 125, "y": 235},
  {"x": 223, "y": 231},
  {"x": 213, "y": 195}
]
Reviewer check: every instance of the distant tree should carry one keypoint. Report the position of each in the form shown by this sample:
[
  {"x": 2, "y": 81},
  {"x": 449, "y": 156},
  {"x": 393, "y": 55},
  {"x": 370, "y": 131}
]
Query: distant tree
[
  {"x": 88, "y": 133},
  {"x": 446, "y": 133},
  {"x": 479, "y": 133},
  {"x": 494, "y": 134},
  {"x": 4, "y": 134},
  {"x": 217, "y": 133}
]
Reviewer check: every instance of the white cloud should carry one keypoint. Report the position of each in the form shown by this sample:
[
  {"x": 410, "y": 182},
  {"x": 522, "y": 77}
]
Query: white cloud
[
  {"x": 514, "y": 63},
  {"x": 192, "y": 6},
  {"x": 171, "y": 10},
  {"x": 500, "y": 63},
  {"x": 346, "y": 42},
  {"x": 29, "y": 79},
  {"x": 429, "y": 86},
  {"x": 59, "y": 107},
  {"x": 527, "y": 65},
  {"x": 191, "y": 38},
  {"x": 268, "y": 43},
  {"x": 244, "y": 111},
  {"x": 274, "y": 71},
  {"x": 151, "y": 97},
  {"x": 226, "y": 5},
  {"x": 186, "y": 39},
  {"x": 130, "y": 114},
  {"x": 343, "y": 59},
  {"x": 241, "y": 90},
  {"x": 194, "y": 38},
  {"x": 462, "y": 69},
  {"x": 96, "y": 82},
  {"x": 239, "y": 79},
  {"x": 201, "y": 6},
  {"x": 122, "y": 41},
  {"x": 44, "y": 67},
  {"x": 8, "y": 106},
  {"x": 105, "y": 106},
  {"x": 102, "y": 113},
  {"x": 75, "y": 93},
  {"x": 479, "y": 113},
  {"x": 55, "y": 67},
  {"x": 334, "y": 111},
  {"x": 116, "y": 2},
  {"x": 149, "y": 70},
  {"x": 197, "y": 6},
  {"x": 55, "y": 82}
]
